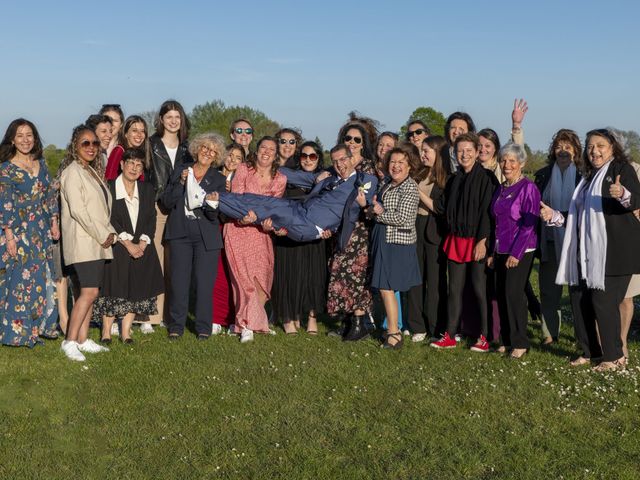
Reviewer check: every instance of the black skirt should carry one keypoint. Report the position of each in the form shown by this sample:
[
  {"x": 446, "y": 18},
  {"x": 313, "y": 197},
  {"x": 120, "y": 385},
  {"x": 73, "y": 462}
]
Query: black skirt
[{"x": 300, "y": 278}]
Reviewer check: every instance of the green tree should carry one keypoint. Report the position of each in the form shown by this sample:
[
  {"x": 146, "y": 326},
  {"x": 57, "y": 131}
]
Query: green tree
[
  {"x": 630, "y": 140},
  {"x": 216, "y": 117},
  {"x": 434, "y": 119},
  {"x": 53, "y": 157}
]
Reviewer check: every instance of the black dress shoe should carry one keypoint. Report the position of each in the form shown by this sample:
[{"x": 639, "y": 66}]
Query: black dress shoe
[
  {"x": 358, "y": 330},
  {"x": 343, "y": 329},
  {"x": 128, "y": 341}
]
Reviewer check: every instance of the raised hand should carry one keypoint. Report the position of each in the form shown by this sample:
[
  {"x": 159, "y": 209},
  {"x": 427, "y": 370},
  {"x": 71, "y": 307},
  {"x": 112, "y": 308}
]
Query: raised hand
[
  {"x": 520, "y": 108},
  {"x": 616, "y": 190},
  {"x": 546, "y": 212}
]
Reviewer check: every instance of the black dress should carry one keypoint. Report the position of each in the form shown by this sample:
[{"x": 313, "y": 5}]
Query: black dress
[
  {"x": 131, "y": 285},
  {"x": 300, "y": 274}
]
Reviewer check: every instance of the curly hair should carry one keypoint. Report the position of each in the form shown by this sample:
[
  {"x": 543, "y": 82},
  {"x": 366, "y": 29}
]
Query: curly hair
[
  {"x": 71, "y": 154},
  {"x": 203, "y": 139},
  {"x": 296, "y": 134},
  {"x": 411, "y": 153},
  {"x": 367, "y": 144},
  {"x": 570, "y": 137}
]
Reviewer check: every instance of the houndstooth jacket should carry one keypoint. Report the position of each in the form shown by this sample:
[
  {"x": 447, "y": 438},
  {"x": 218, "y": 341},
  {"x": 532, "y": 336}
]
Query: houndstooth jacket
[{"x": 400, "y": 209}]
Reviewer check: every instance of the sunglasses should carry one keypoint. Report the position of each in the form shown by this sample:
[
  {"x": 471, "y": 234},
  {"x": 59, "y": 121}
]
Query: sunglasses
[
  {"x": 111, "y": 105},
  {"x": 418, "y": 131},
  {"x": 239, "y": 131},
  {"x": 291, "y": 141},
  {"x": 348, "y": 138},
  {"x": 87, "y": 144},
  {"x": 311, "y": 156}
]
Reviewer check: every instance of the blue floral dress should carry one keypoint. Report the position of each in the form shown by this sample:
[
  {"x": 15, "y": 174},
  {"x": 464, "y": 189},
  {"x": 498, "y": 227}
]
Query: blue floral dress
[{"x": 27, "y": 299}]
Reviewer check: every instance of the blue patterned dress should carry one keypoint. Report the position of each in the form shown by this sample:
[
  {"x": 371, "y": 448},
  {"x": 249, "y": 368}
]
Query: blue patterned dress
[{"x": 27, "y": 300}]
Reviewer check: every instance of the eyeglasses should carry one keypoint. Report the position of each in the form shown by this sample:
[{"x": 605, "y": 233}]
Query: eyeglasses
[
  {"x": 291, "y": 141},
  {"x": 207, "y": 151},
  {"x": 348, "y": 138},
  {"x": 418, "y": 131},
  {"x": 311, "y": 156},
  {"x": 137, "y": 164},
  {"x": 240, "y": 131},
  {"x": 87, "y": 144}
]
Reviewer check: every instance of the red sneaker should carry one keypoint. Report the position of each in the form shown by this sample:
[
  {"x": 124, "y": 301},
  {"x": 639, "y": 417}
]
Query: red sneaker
[
  {"x": 445, "y": 342},
  {"x": 481, "y": 345}
]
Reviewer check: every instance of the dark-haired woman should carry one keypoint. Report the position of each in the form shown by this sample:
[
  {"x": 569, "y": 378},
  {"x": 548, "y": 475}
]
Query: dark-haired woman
[
  {"x": 386, "y": 141},
  {"x": 133, "y": 278},
  {"x": 241, "y": 132},
  {"x": 87, "y": 232},
  {"x": 417, "y": 131},
  {"x": 28, "y": 223},
  {"x": 169, "y": 150},
  {"x": 249, "y": 247},
  {"x": 395, "y": 261},
  {"x": 427, "y": 301},
  {"x": 349, "y": 295},
  {"x": 115, "y": 113},
  {"x": 289, "y": 141},
  {"x": 600, "y": 247},
  {"x": 223, "y": 307},
  {"x": 467, "y": 199},
  {"x": 458, "y": 123},
  {"x": 300, "y": 277},
  {"x": 134, "y": 135},
  {"x": 556, "y": 183}
]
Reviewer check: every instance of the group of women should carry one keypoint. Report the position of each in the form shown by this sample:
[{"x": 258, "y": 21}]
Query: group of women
[{"x": 454, "y": 222}]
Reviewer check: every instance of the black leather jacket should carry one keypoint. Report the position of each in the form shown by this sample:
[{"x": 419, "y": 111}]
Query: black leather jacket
[{"x": 161, "y": 168}]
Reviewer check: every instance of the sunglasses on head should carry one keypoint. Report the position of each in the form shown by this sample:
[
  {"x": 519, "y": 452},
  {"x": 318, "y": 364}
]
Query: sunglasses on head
[
  {"x": 291, "y": 141},
  {"x": 239, "y": 131},
  {"x": 348, "y": 138},
  {"x": 418, "y": 131},
  {"x": 311, "y": 156},
  {"x": 87, "y": 144},
  {"x": 111, "y": 105}
]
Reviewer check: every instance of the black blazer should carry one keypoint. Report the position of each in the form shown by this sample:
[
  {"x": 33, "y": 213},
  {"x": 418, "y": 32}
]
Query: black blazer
[
  {"x": 208, "y": 218},
  {"x": 436, "y": 226},
  {"x": 161, "y": 168},
  {"x": 623, "y": 228}
]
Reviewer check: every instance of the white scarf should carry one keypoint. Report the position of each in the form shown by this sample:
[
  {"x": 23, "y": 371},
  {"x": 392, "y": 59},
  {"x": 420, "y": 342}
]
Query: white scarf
[
  {"x": 585, "y": 223},
  {"x": 558, "y": 195}
]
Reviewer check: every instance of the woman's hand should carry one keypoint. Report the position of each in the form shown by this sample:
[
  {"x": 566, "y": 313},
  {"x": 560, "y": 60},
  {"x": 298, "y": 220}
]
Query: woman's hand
[
  {"x": 616, "y": 190},
  {"x": 281, "y": 232},
  {"x": 183, "y": 176},
  {"x": 111, "y": 239},
  {"x": 134, "y": 250},
  {"x": 490, "y": 262},
  {"x": 546, "y": 212},
  {"x": 480, "y": 250},
  {"x": 520, "y": 108},
  {"x": 321, "y": 176},
  {"x": 361, "y": 199},
  {"x": 378, "y": 209},
  {"x": 267, "y": 225},
  {"x": 12, "y": 246},
  {"x": 213, "y": 196},
  {"x": 227, "y": 185},
  {"x": 55, "y": 230},
  {"x": 512, "y": 262},
  {"x": 326, "y": 234},
  {"x": 249, "y": 218}
]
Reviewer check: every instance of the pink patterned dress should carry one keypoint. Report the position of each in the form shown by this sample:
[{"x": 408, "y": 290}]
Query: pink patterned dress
[{"x": 250, "y": 254}]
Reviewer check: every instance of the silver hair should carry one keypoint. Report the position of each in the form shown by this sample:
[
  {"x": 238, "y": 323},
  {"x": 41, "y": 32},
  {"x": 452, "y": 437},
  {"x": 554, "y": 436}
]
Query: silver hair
[
  {"x": 208, "y": 138},
  {"x": 514, "y": 149}
]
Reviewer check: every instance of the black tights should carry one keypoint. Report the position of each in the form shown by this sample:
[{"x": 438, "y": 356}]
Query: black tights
[{"x": 457, "y": 276}]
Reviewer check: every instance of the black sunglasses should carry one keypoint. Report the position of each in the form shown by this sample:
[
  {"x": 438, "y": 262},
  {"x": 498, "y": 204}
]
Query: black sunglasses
[
  {"x": 87, "y": 144},
  {"x": 291, "y": 141},
  {"x": 111, "y": 105},
  {"x": 418, "y": 131},
  {"x": 348, "y": 138},
  {"x": 311, "y": 156},
  {"x": 248, "y": 131}
]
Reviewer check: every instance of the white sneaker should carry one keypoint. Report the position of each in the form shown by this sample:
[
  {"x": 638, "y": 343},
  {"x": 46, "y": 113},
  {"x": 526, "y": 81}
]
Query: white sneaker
[
  {"x": 146, "y": 328},
  {"x": 272, "y": 331},
  {"x": 216, "y": 329},
  {"x": 70, "y": 349},
  {"x": 246, "y": 335},
  {"x": 406, "y": 333},
  {"x": 89, "y": 346},
  {"x": 418, "y": 337},
  {"x": 458, "y": 338},
  {"x": 115, "y": 330}
]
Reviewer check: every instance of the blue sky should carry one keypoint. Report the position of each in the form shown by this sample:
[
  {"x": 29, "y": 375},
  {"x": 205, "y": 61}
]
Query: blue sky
[{"x": 307, "y": 64}]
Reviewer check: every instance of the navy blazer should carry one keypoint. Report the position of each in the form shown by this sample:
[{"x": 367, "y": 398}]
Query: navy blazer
[{"x": 208, "y": 219}]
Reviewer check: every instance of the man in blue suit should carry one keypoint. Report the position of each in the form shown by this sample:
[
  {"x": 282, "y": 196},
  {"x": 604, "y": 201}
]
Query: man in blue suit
[{"x": 333, "y": 204}]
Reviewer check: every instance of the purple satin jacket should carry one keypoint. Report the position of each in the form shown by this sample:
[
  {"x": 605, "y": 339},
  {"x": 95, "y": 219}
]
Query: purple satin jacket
[{"x": 516, "y": 210}]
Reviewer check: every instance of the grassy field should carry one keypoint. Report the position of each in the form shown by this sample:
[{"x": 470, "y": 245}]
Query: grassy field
[{"x": 313, "y": 407}]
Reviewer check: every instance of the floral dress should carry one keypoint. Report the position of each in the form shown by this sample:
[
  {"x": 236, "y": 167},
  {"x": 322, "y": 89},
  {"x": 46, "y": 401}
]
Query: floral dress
[
  {"x": 27, "y": 298},
  {"x": 349, "y": 270}
]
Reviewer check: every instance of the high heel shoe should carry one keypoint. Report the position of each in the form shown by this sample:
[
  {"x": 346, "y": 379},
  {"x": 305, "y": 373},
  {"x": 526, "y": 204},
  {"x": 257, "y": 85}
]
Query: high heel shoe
[{"x": 393, "y": 346}]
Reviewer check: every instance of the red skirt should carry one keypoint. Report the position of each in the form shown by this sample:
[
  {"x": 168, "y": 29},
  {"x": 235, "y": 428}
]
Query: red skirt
[{"x": 459, "y": 249}]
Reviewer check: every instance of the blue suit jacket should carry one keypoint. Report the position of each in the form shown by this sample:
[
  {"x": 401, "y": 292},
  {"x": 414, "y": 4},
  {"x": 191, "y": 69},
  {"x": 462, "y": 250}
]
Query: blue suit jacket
[{"x": 208, "y": 222}]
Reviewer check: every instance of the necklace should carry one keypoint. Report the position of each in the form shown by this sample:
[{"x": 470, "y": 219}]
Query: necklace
[
  {"x": 511, "y": 184},
  {"x": 24, "y": 165}
]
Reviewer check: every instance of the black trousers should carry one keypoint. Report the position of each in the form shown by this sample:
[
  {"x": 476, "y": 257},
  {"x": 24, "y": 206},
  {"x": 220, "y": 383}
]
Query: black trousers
[
  {"x": 189, "y": 254},
  {"x": 457, "y": 276},
  {"x": 601, "y": 308},
  {"x": 426, "y": 302},
  {"x": 512, "y": 299}
]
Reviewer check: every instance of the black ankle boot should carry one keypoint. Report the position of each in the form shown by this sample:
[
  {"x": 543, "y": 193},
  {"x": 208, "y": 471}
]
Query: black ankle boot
[
  {"x": 358, "y": 329},
  {"x": 343, "y": 329}
]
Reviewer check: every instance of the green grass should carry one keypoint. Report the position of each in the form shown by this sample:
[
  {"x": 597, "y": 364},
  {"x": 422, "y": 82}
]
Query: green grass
[{"x": 313, "y": 407}]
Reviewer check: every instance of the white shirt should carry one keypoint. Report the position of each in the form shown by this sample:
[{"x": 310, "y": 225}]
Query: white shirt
[
  {"x": 133, "y": 206},
  {"x": 172, "y": 154}
]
